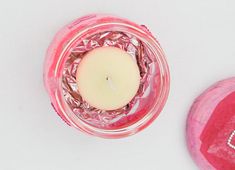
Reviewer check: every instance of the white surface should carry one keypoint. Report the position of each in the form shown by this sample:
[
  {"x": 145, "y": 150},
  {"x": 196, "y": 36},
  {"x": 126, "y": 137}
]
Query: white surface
[{"x": 198, "y": 38}]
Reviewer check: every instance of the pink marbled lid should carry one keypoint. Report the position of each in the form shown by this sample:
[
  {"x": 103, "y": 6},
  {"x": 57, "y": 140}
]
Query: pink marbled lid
[{"x": 211, "y": 127}]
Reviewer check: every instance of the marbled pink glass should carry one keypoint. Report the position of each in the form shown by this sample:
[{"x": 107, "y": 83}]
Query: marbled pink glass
[
  {"x": 69, "y": 46},
  {"x": 211, "y": 127}
]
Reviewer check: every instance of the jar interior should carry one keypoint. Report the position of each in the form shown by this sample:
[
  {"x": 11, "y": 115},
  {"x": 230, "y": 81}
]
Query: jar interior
[{"x": 139, "y": 106}]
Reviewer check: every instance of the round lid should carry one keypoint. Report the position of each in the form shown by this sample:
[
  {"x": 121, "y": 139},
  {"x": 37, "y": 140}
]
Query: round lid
[{"x": 211, "y": 127}]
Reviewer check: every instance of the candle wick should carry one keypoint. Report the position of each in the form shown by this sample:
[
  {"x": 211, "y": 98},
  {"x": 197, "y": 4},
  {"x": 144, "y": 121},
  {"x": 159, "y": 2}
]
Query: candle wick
[{"x": 110, "y": 82}]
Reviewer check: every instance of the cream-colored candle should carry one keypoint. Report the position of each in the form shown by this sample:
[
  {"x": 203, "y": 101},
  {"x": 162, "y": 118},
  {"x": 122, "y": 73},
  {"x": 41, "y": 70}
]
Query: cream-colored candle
[{"x": 108, "y": 78}]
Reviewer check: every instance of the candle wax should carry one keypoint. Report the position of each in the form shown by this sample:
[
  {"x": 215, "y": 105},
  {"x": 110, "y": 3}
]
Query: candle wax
[{"x": 108, "y": 78}]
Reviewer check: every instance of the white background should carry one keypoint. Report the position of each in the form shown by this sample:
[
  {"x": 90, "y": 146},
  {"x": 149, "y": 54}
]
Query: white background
[{"x": 198, "y": 37}]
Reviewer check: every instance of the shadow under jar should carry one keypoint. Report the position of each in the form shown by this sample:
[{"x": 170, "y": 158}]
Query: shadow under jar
[{"x": 85, "y": 34}]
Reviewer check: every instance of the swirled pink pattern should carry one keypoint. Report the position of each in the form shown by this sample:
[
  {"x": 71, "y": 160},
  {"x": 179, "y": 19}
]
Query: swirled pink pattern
[{"x": 211, "y": 125}]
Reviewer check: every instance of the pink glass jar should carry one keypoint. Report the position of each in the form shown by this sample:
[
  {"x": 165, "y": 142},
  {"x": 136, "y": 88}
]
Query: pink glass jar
[{"x": 93, "y": 31}]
